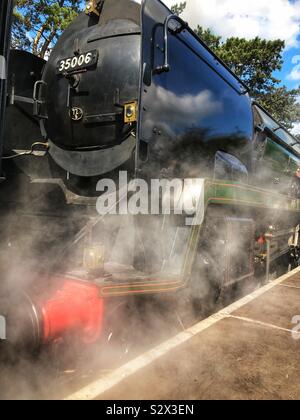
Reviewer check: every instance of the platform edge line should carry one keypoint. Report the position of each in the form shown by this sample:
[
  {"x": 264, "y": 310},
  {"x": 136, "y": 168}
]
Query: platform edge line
[
  {"x": 263, "y": 324},
  {"x": 104, "y": 384}
]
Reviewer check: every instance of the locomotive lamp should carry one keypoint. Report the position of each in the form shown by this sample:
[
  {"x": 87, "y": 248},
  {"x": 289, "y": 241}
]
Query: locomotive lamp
[
  {"x": 93, "y": 259},
  {"x": 130, "y": 112},
  {"x": 93, "y": 7}
]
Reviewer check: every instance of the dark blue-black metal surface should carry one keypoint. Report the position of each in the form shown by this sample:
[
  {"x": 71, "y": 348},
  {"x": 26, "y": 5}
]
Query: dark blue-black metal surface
[
  {"x": 192, "y": 111},
  {"x": 21, "y": 128},
  {"x": 114, "y": 81},
  {"x": 6, "y": 8}
]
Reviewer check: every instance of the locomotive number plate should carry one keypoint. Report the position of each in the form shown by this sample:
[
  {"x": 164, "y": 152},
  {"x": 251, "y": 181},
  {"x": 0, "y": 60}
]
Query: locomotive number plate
[{"x": 78, "y": 62}]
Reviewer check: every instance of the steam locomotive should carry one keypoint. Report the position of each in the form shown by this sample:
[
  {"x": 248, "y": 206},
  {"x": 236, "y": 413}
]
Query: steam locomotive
[{"x": 130, "y": 88}]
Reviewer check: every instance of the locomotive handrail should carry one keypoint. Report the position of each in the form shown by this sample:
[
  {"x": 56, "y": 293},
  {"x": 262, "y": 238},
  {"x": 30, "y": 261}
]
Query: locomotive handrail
[
  {"x": 185, "y": 26},
  {"x": 37, "y": 101},
  {"x": 166, "y": 67}
]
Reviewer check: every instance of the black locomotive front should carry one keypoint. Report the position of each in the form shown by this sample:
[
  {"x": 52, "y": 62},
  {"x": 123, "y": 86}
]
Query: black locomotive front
[
  {"x": 91, "y": 74},
  {"x": 190, "y": 104}
]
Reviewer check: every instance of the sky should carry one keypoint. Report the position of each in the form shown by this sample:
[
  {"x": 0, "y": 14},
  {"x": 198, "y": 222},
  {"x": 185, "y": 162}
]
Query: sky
[{"x": 269, "y": 19}]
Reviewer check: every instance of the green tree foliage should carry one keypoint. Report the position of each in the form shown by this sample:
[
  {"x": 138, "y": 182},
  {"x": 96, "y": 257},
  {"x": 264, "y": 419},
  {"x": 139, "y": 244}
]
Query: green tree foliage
[
  {"x": 38, "y": 24},
  {"x": 283, "y": 104},
  {"x": 255, "y": 62},
  {"x": 177, "y": 9},
  {"x": 211, "y": 40}
]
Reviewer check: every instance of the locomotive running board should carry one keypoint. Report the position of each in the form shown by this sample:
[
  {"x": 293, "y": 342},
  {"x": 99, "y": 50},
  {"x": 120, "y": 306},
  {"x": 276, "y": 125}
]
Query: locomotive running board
[
  {"x": 233, "y": 193},
  {"x": 213, "y": 192}
]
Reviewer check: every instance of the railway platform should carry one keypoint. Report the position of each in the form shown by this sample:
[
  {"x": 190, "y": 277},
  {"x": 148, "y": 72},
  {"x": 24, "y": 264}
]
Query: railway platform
[{"x": 249, "y": 350}]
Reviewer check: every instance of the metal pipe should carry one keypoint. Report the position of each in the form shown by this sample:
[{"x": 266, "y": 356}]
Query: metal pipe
[
  {"x": 166, "y": 66},
  {"x": 268, "y": 260},
  {"x": 6, "y": 9}
]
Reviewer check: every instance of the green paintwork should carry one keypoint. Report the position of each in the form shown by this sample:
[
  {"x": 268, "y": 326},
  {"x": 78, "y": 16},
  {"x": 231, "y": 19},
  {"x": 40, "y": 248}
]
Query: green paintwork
[
  {"x": 233, "y": 193},
  {"x": 280, "y": 157},
  {"x": 280, "y": 160},
  {"x": 218, "y": 193}
]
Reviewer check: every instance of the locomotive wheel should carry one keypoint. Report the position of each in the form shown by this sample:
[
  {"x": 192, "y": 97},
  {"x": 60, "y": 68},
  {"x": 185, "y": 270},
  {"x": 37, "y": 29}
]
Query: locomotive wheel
[
  {"x": 205, "y": 289},
  {"x": 294, "y": 191}
]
